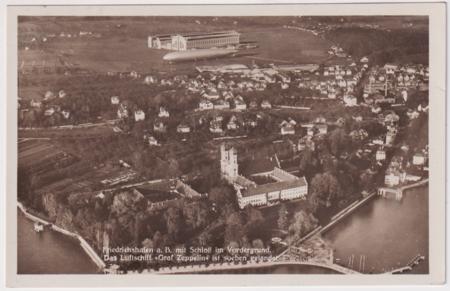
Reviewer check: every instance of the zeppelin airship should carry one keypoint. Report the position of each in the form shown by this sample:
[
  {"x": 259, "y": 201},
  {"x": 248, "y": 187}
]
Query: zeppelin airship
[{"x": 198, "y": 54}]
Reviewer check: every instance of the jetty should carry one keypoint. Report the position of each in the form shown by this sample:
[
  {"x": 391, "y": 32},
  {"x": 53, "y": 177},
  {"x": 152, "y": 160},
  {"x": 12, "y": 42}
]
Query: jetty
[
  {"x": 413, "y": 262},
  {"x": 398, "y": 191}
]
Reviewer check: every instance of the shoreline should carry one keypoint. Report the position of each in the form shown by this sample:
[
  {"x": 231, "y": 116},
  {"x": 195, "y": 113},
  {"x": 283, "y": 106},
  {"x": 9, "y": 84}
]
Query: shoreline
[{"x": 83, "y": 243}]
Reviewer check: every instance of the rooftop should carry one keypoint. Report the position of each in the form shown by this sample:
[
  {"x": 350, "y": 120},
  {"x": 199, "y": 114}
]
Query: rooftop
[{"x": 277, "y": 186}]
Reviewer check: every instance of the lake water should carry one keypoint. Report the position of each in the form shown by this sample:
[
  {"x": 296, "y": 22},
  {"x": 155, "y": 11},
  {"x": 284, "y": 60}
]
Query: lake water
[
  {"x": 387, "y": 233},
  {"x": 49, "y": 252}
]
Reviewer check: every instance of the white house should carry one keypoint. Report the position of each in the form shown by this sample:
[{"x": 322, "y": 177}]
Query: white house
[
  {"x": 419, "y": 159},
  {"x": 323, "y": 128},
  {"x": 35, "y": 104},
  {"x": 115, "y": 100},
  {"x": 163, "y": 112},
  {"x": 183, "y": 128},
  {"x": 150, "y": 80},
  {"x": 287, "y": 129},
  {"x": 159, "y": 126},
  {"x": 240, "y": 104},
  {"x": 152, "y": 141},
  {"x": 266, "y": 104},
  {"x": 205, "y": 105},
  {"x": 392, "y": 178},
  {"x": 49, "y": 95},
  {"x": 50, "y": 111},
  {"x": 122, "y": 112},
  {"x": 62, "y": 94},
  {"x": 380, "y": 155},
  {"x": 350, "y": 100},
  {"x": 221, "y": 105},
  {"x": 215, "y": 126},
  {"x": 65, "y": 114},
  {"x": 139, "y": 115}
]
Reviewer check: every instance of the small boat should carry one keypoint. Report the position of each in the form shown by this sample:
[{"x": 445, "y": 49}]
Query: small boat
[{"x": 38, "y": 227}]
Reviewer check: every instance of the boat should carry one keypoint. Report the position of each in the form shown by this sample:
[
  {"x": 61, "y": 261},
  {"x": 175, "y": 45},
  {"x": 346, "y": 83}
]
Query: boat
[{"x": 38, "y": 227}]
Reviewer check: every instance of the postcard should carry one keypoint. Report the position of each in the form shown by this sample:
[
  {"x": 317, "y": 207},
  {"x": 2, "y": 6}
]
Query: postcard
[{"x": 284, "y": 144}]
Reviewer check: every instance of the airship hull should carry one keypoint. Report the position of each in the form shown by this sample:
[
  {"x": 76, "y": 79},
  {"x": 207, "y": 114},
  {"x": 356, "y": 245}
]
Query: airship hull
[{"x": 198, "y": 54}]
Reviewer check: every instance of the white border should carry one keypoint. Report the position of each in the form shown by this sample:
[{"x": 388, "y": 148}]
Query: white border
[{"x": 437, "y": 143}]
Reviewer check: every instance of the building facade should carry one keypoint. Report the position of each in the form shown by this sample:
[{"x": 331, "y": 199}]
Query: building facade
[
  {"x": 285, "y": 186},
  {"x": 198, "y": 40},
  {"x": 228, "y": 163}
]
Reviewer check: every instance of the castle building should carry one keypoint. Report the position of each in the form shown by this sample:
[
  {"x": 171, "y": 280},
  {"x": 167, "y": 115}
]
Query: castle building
[
  {"x": 228, "y": 163},
  {"x": 285, "y": 186}
]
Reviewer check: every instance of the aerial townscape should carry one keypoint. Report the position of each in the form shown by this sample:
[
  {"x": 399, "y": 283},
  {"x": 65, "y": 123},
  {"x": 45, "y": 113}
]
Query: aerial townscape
[{"x": 227, "y": 144}]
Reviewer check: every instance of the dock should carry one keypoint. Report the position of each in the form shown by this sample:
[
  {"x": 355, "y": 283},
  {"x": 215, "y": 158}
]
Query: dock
[{"x": 397, "y": 192}]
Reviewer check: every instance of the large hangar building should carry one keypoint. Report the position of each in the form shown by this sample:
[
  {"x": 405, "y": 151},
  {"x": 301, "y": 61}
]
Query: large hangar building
[{"x": 198, "y": 40}]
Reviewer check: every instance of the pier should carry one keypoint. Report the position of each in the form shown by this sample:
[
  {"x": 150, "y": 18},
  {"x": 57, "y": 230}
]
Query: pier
[
  {"x": 414, "y": 261},
  {"x": 397, "y": 192}
]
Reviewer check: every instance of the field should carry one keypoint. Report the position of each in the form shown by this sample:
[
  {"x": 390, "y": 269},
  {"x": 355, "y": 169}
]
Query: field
[
  {"x": 122, "y": 46},
  {"x": 40, "y": 155}
]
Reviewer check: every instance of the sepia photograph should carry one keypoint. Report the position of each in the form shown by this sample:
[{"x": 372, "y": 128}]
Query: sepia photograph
[{"x": 229, "y": 144}]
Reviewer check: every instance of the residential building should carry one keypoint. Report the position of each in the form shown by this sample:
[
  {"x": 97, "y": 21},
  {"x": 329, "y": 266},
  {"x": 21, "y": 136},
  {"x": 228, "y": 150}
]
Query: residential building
[
  {"x": 266, "y": 104},
  {"x": 159, "y": 126},
  {"x": 233, "y": 123},
  {"x": 350, "y": 100},
  {"x": 139, "y": 115},
  {"x": 287, "y": 129},
  {"x": 380, "y": 155},
  {"x": 205, "y": 105},
  {"x": 221, "y": 105},
  {"x": 115, "y": 100},
  {"x": 239, "y": 103},
  {"x": 419, "y": 159},
  {"x": 122, "y": 112},
  {"x": 163, "y": 112},
  {"x": 183, "y": 128}
]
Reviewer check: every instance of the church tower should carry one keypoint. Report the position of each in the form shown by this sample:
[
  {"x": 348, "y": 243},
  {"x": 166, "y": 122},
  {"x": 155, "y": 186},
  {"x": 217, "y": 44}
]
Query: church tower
[{"x": 228, "y": 163}]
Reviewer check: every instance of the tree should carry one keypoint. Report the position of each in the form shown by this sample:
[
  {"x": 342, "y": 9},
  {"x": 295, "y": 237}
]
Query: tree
[
  {"x": 325, "y": 189},
  {"x": 307, "y": 161},
  {"x": 302, "y": 224},
  {"x": 282, "y": 217},
  {"x": 147, "y": 243},
  {"x": 221, "y": 194},
  {"x": 257, "y": 243},
  {"x": 173, "y": 222},
  {"x": 338, "y": 141},
  {"x": 195, "y": 215},
  {"x": 174, "y": 168},
  {"x": 234, "y": 229}
]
